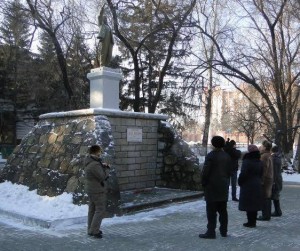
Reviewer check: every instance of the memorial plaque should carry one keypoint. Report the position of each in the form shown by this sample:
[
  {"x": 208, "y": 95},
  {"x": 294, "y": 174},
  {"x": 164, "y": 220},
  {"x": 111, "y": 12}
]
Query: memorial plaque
[{"x": 134, "y": 135}]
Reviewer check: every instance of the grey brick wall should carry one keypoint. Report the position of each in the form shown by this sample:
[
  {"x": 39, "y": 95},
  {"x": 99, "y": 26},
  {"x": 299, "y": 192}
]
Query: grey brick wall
[{"x": 137, "y": 163}]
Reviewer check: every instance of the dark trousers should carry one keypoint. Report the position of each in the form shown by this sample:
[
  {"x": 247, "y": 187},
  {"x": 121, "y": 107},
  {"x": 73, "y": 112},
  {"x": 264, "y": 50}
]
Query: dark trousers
[
  {"x": 233, "y": 179},
  {"x": 277, "y": 211},
  {"x": 212, "y": 208},
  {"x": 251, "y": 216},
  {"x": 266, "y": 211}
]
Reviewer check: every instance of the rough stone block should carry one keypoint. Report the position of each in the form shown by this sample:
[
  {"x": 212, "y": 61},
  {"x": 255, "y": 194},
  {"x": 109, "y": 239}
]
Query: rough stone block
[
  {"x": 34, "y": 149},
  {"x": 77, "y": 139},
  {"x": 83, "y": 150},
  {"x": 72, "y": 184}
]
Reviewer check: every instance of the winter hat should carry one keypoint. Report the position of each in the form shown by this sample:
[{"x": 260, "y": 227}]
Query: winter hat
[
  {"x": 232, "y": 143},
  {"x": 252, "y": 148},
  {"x": 95, "y": 149},
  {"x": 218, "y": 141},
  {"x": 267, "y": 144}
]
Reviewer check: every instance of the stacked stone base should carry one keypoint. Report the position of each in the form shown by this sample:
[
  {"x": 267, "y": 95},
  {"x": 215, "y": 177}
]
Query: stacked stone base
[{"x": 142, "y": 149}]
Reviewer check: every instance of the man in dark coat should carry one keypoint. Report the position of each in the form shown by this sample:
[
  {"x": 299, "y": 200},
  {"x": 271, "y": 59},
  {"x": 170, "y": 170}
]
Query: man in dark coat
[
  {"x": 215, "y": 181},
  {"x": 96, "y": 175},
  {"x": 250, "y": 179},
  {"x": 277, "y": 185},
  {"x": 234, "y": 155}
]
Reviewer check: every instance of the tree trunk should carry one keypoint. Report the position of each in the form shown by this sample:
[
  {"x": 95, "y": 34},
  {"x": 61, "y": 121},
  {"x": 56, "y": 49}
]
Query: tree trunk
[
  {"x": 62, "y": 65},
  {"x": 207, "y": 112}
]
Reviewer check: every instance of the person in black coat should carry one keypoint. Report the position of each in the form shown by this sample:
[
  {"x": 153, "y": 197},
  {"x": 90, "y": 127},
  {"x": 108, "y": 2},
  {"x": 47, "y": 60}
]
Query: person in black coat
[
  {"x": 277, "y": 185},
  {"x": 234, "y": 155},
  {"x": 215, "y": 181},
  {"x": 250, "y": 179}
]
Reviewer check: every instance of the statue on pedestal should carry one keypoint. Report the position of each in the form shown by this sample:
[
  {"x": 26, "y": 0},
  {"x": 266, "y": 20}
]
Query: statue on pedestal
[{"x": 105, "y": 37}]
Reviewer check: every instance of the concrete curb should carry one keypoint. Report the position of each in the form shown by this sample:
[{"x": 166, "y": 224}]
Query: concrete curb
[
  {"x": 31, "y": 221},
  {"x": 158, "y": 202}
]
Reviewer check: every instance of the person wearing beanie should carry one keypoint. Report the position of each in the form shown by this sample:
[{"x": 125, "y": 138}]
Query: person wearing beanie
[
  {"x": 267, "y": 182},
  {"x": 234, "y": 155},
  {"x": 215, "y": 182},
  {"x": 250, "y": 180}
]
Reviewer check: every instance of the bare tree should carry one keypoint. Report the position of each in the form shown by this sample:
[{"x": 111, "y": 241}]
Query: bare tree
[
  {"x": 203, "y": 50},
  {"x": 246, "y": 119},
  {"x": 265, "y": 55},
  {"x": 47, "y": 19},
  {"x": 150, "y": 43}
]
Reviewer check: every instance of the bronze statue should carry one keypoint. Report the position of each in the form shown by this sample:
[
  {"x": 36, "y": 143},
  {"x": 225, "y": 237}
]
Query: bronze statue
[{"x": 105, "y": 37}]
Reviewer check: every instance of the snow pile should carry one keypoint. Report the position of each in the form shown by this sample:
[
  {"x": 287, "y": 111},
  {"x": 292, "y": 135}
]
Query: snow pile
[{"x": 18, "y": 199}]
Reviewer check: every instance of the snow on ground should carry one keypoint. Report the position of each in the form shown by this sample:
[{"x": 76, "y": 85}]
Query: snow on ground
[{"x": 18, "y": 199}]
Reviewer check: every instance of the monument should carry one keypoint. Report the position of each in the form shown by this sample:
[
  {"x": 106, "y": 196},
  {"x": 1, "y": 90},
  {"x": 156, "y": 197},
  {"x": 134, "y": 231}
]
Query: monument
[
  {"x": 143, "y": 150},
  {"x": 104, "y": 81}
]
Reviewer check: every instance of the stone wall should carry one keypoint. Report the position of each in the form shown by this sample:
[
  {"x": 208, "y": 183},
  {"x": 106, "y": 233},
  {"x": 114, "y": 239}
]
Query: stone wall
[
  {"x": 141, "y": 149},
  {"x": 51, "y": 157},
  {"x": 136, "y": 162},
  {"x": 180, "y": 168}
]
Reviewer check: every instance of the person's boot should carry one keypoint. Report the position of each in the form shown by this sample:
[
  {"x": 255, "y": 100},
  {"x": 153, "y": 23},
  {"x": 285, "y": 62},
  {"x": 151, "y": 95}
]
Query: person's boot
[
  {"x": 268, "y": 208},
  {"x": 251, "y": 216},
  {"x": 266, "y": 211},
  {"x": 208, "y": 235},
  {"x": 277, "y": 212}
]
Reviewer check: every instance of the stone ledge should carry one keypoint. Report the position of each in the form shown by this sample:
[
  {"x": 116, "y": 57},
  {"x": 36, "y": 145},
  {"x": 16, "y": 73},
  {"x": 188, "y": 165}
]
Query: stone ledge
[{"x": 102, "y": 111}]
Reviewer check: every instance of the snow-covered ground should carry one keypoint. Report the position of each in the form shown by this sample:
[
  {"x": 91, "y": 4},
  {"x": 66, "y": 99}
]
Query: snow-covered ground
[{"x": 18, "y": 199}]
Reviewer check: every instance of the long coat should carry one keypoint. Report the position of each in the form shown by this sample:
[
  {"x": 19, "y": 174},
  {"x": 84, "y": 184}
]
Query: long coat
[
  {"x": 267, "y": 174},
  {"x": 235, "y": 155},
  {"x": 277, "y": 185},
  {"x": 215, "y": 176},
  {"x": 250, "y": 179},
  {"x": 96, "y": 175}
]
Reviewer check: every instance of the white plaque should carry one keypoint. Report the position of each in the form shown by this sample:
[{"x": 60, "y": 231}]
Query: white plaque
[{"x": 134, "y": 135}]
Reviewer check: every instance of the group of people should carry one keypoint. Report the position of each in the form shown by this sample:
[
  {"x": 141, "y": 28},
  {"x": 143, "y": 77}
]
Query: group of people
[{"x": 260, "y": 181}]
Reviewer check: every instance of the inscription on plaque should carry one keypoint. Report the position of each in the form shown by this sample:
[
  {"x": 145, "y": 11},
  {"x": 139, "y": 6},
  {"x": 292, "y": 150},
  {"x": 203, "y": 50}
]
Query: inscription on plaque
[{"x": 134, "y": 135}]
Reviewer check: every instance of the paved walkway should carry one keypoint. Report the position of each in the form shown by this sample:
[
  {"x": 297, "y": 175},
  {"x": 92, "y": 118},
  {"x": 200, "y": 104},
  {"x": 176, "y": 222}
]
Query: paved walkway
[{"x": 176, "y": 231}]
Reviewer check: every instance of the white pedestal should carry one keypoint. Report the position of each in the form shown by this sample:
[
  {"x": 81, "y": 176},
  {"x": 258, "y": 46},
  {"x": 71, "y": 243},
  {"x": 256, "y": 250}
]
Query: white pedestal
[{"x": 104, "y": 87}]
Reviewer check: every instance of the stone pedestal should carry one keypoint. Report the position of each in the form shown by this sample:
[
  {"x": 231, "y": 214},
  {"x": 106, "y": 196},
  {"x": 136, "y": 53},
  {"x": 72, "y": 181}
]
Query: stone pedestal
[{"x": 104, "y": 87}]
